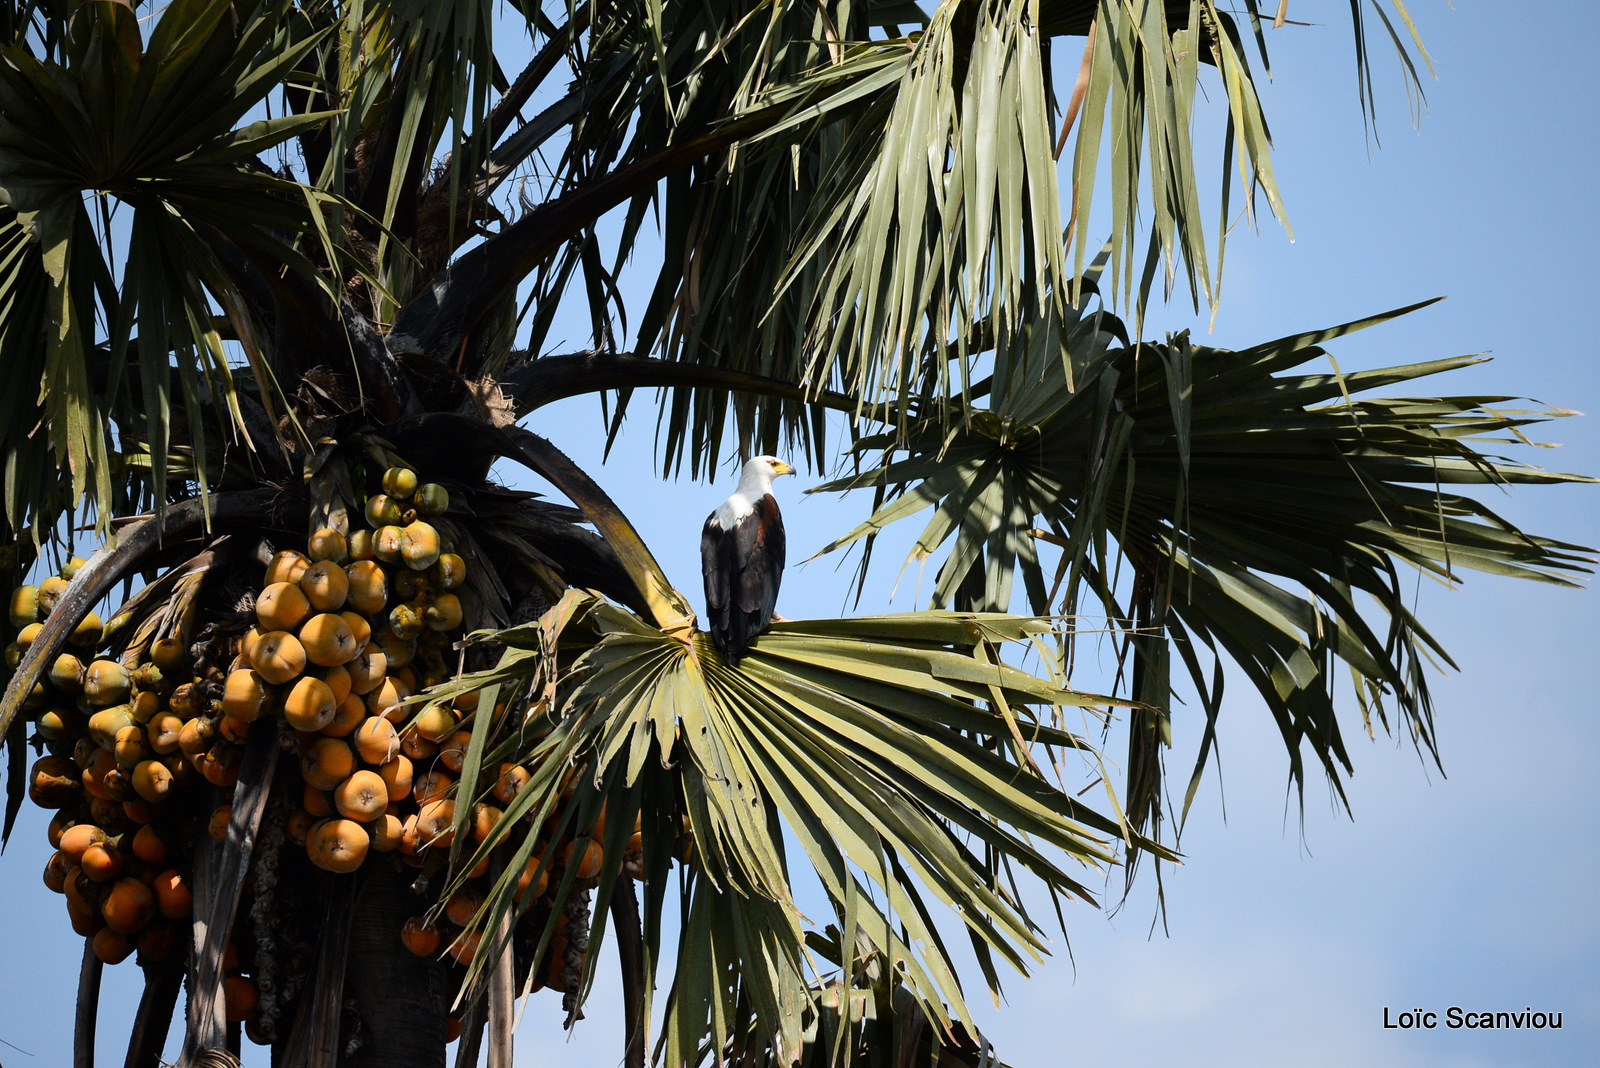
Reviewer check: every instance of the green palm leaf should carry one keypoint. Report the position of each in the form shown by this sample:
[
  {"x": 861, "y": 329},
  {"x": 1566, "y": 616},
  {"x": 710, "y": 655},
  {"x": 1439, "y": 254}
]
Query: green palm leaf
[
  {"x": 1263, "y": 510},
  {"x": 884, "y": 745}
]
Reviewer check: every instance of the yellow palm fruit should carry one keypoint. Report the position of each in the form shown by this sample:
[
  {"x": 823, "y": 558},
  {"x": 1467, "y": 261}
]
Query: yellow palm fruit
[
  {"x": 386, "y": 543},
  {"x": 399, "y": 482},
  {"x": 24, "y": 605},
  {"x": 361, "y": 545},
  {"x": 448, "y": 572},
  {"x": 382, "y": 511},
  {"x": 328, "y": 544},
  {"x": 444, "y": 613},
  {"x": 86, "y": 635},
  {"x": 106, "y": 682},
  {"x": 50, "y": 591},
  {"x": 419, "y": 545}
]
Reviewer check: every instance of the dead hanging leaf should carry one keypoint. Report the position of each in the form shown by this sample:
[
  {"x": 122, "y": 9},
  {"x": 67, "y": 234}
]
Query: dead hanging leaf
[{"x": 491, "y": 402}]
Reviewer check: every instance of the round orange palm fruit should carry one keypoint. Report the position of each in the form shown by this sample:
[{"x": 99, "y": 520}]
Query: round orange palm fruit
[
  {"x": 112, "y": 947},
  {"x": 444, "y": 613},
  {"x": 462, "y": 906},
  {"x": 532, "y": 880},
  {"x": 367, "y": 669},
  {"x": 420, "y": 936},
  {"x": 347, "y": 717},
  {"x": 174, "y": 898},
  {"x": 586, "y": 854},
  {"x": 217, "y": 828},
  {"x": 419, "y": 545},
  {"x": 55, "y": 872},
  {"x": 362, "y": 797},
  {"x": 342, "y": 845},
  {"x": 106, "y": 682},
  {"x": 397, "y": 777},
  {"x": 434, "y": 823},
  {"x": 78, "y": 838},
  {"x": 239, "y": 998},
  {"x": 278, "y": 657},
  {"x": 448, "y": 572},
  {"x": 152, "y": 781},
  {"x": 286, "y": 566},
  {"x": 386, "y": 832},
  {"x": 377, "y": 741},
  {"x": 360, "y": 543},
  {"x": 453, "y": 751},
  {"x": 297, "y": 825},
  {"x": 327, "y": 762},
  {"x": 244, "y": 694},
  {"x": 465, "y": 947},
  {"x": 388, "y": 698},
  {"x": 513, "y": 777},
  {"x": 431, "y": 786},
  {"x": 368, "y": 587},
  {"x": 484, "y": 818},
  {"x": 149, "y": 847},
  {"x": 435, "y": 723},
  {"x": 54, "y": 782},
  {"x": 128, "y": 906},
  {"x": 338, "y": 679},
  {"x": 397, "y": 650},
  {"x": 328, "y": 641},
  {"x": 162, "y": 732},
  {"x": 316, "y": 802},
  {"x": 416, "y": 746},
  {"x": 326, "y": 586},
  {"x": 282, "y": 606},
  {"x": 386, "y": 543},
  {"x": 309, "y": 704}
]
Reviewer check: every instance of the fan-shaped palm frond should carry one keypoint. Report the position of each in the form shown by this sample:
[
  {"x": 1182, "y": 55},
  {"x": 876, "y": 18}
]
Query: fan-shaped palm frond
[
  {"x": 1264, "y": 513},
  {"x": 896, "y": 750}
]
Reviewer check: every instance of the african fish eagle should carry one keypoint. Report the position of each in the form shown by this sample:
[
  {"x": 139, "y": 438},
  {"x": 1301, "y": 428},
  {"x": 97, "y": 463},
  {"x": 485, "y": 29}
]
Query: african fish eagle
[{"x": 741, "y": 558}]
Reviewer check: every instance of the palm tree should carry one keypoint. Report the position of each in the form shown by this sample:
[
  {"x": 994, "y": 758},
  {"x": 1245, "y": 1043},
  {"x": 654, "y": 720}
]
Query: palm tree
[{"x": 259, "y": 257}]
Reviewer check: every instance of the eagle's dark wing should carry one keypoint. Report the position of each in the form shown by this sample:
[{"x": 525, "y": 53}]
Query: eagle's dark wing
[{"x": 716, "y": 567}]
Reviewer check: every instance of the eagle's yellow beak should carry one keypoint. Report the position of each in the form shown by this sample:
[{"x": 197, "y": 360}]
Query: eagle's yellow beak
[{"x": 781, "y": 468}]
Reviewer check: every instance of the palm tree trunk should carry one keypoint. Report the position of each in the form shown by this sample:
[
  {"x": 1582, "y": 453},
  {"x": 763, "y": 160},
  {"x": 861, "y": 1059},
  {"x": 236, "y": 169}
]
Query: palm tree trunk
[
  {"x": 401, "y": 998},
  {"x": 161, "y": 984},
  {"x": 88, "y": 1008}
]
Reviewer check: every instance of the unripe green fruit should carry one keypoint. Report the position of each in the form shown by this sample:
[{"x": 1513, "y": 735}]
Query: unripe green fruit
[
  {"x": 432, "y": 499},
  {"x": 399, "y": 482}
]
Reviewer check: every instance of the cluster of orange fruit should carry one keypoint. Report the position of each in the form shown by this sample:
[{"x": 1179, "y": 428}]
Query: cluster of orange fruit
[
  {"x": 447, "y": 926},
  {"x": 345, "y": 633},
  {"x": 117, "y": 748}
]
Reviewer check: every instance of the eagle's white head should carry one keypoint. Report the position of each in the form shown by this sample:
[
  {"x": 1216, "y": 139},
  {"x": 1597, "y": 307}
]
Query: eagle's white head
[{"x": 755, "y": 481}]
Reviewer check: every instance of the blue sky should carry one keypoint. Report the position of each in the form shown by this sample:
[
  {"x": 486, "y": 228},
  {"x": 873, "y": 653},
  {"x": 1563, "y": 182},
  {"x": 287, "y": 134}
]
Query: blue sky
[{"x": 1286, "y": 937}]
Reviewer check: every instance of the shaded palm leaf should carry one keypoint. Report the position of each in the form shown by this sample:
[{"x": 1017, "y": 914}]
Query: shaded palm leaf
[{"x": 1263, "y": 511}]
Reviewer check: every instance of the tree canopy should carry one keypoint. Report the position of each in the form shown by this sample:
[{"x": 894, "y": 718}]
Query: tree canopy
[{"x": 257, "y": 253}]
